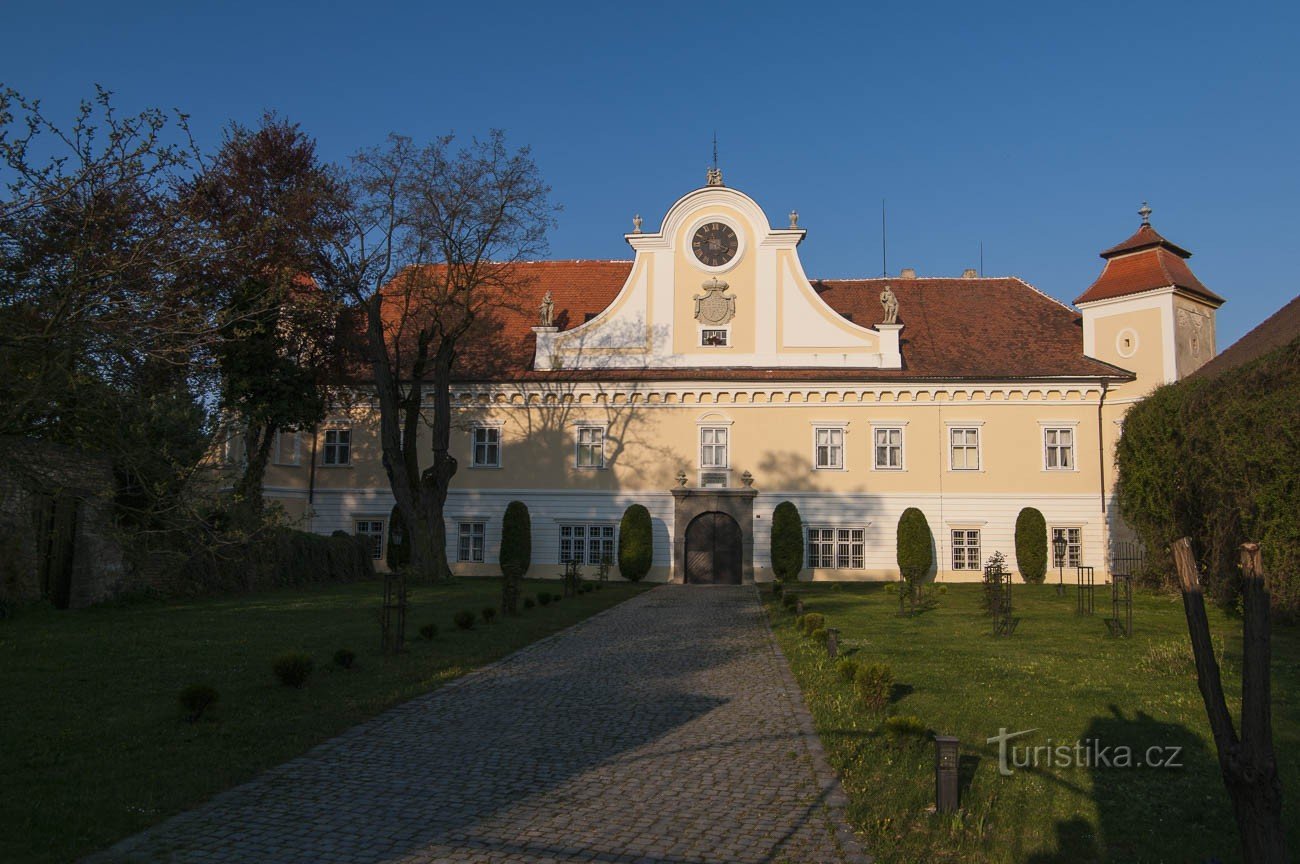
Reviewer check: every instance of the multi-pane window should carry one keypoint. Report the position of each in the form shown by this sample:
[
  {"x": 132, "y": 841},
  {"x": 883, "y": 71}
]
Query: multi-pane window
[
  {"x": 965, "y": 444},
  {"x": 828, "y": 448},
  {"x": 1059, "y": 444},
  {"x": 487, "y": 447},
  {"x": 842, "y": 548},
  {"x": 338, "y": 447},
  {"x": 373, "y": 532},
  {"x": 287, "y": 448},
  {"x": 586, "y": 544},
  {"x": 966, "y": 549},
  {"x": 1073, "y": 550},
  {"x": 889, "y": 448},
  {"x": 713, "y": 338},
  {"x": 470, "y": 545},
  {"x": 591, "y": 447},
  {"x": 713, "y": 447}
]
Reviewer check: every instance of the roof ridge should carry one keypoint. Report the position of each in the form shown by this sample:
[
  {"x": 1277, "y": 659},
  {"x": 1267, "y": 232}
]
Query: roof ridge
[{"x": 1043, "y": 293}]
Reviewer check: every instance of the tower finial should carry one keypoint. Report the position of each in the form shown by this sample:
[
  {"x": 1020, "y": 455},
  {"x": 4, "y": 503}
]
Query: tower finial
[{"x": 1145, "y": 212}]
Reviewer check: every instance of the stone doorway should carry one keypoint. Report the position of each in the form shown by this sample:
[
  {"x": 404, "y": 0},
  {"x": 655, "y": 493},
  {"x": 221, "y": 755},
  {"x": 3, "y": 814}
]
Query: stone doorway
[{"x": 713, "y": 550}]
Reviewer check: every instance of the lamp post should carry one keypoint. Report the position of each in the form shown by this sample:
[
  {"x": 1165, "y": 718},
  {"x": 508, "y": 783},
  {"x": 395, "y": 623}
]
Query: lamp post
[{"x": 1059, "y": 547}]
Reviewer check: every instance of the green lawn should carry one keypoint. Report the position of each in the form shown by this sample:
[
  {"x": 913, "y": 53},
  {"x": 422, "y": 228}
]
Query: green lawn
[
  {"x": 92, "y": 744},
  {"x": 1058, "y": 674}
]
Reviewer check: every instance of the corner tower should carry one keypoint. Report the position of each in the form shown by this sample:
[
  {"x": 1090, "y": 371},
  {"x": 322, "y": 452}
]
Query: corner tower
[{"x": 1147, "y": 312}]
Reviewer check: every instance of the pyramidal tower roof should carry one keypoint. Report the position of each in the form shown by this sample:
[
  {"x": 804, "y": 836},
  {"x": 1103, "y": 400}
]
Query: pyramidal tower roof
[{"x": 1145, "y": 261}]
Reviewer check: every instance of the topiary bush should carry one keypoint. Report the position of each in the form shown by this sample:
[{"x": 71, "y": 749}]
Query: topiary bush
[
  {"x": 195, "y": 699},
  {"x": 915, "y": 549},
  {"x": 516, "y": 553},
  {"x": 847, "y": 669},
  {"x": 812, "y": 621},
  {"x": 398, "y": 554},
  {"x": 489, "y": 614},
  {"x": 635, "y": 543},
  {"x": 1031, "y": 545},
  {"x": 293, "y": 669},
  {"x": 464, "y": 619},
  {"x": 905, "y": 728},
  {"x": 874, "y": 683},
  {"x": 544, "y": 597},
  {"x": 344, "y": 658},
  {"x": 819, "y": 635},
  {"x": 787, "y": 542},
  {"x": 529, "y": 602},
  {"x": 429, "y": 632}
]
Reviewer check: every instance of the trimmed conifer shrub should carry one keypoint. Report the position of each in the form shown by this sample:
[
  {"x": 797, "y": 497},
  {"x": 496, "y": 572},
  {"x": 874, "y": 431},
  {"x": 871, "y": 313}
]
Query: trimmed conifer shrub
[
  {"x": 399, "y": 541},
  {"x": 787, "y": 542},
  {"x": 489, "y": 614},
  {"x": 344, "y": 658},
  {"x": 812, "y": 621},
  {"x": 635, "y": 543},
  {"x": 874, "y": 683},
  {"x": 428, "y": 632},
  {"x": 915, "y": 549},
  {"x": 1031, "y": 545},
  {"x": 293, "y": 669},
  {"x": 847, "y": 669},
  {"x": 516, "y": 553},
  {"x": 195, "y": 699},
  {"x": 464, "y": 619}
]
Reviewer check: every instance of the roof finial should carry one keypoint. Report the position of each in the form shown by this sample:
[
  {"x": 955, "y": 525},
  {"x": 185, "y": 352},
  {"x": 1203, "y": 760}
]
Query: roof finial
[{"x": 1145, "y": 212}]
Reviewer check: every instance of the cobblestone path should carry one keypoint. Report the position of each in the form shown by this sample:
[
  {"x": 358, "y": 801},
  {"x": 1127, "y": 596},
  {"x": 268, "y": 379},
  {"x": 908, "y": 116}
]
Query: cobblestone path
[{"x": 667, "y": 730}]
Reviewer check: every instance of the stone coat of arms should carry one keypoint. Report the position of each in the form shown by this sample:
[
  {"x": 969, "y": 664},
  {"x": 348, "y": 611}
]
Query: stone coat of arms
[{"x": 714, "y": 307}]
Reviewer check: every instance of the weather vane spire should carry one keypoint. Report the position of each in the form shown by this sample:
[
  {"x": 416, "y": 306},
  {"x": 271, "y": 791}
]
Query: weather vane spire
[
  {"x": 1145, "y": 212},
  {"x": 713, "y": 177}
]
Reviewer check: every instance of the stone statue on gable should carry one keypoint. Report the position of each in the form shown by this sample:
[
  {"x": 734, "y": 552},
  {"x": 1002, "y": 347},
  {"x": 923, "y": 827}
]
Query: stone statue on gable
[
  {"x": 890, "y": 302},
  {"x": 547, "y": 310}
]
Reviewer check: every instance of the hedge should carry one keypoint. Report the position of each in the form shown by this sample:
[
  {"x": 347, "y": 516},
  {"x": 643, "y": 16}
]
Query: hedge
[
  {"x": 1031, "y": 545},
  {"x": 787, "y": 542},
  {"x": 516, "y": 553},
  {"x": 635, "y": 544},
  {"x": 1218, "y": 460},
  {"x": 278, "y": 558}
]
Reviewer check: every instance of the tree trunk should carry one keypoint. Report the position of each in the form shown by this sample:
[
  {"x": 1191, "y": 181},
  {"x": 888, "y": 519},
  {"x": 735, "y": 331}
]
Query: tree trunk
[
  {"x": 1248, "y": 764},
  {"x": 250, "y": 502},
  {"x": 436, "y": 480}
]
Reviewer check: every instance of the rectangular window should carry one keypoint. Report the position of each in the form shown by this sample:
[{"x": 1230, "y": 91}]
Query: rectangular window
[
  {"x": 713, "y": 338},
  {"x": 966, "y": 549},
  {"x": 965, "y": 445},
  {"x": 470, "y": 547},
  {"x": 889, "y": 449},
  {"x": 586, "y": 544},
  {"x": 1073, "y": 547},
  {"x": 713, "y": 447},
  {"x": 373, "y": 531},
  {"x": 288, "y": 448},
  {"x": 487, "y": 447},
  {"x": 1059, "y": 444},
  {"x": 828, "y": 448},
  {"x": 840, "y": 548},
  {"x": 591, "y": 447},
  {"x": 338, "y": 447}
]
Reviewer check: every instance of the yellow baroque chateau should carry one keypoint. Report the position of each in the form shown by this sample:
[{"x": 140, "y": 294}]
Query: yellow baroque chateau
[{"x": 710, "y": 379}]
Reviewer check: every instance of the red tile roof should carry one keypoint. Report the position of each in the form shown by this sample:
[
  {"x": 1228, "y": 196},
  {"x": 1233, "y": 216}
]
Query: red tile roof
[
  {"x": 1144, "y": 262},
  {"x": 955, "y": 328},
  {"x": 1280, "y": 328}
]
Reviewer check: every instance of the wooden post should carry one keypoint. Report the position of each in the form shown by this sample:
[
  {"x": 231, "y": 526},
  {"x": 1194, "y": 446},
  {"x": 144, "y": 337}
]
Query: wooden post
[{"x": 1248, "y": 764}]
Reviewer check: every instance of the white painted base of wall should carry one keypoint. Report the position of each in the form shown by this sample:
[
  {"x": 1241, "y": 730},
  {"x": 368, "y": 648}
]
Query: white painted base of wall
[{"x": 993, "y": 514}]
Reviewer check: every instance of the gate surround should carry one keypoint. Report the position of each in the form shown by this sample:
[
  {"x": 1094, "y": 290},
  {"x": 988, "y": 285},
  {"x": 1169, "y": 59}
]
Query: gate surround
[{"x": 736, "y": 503}]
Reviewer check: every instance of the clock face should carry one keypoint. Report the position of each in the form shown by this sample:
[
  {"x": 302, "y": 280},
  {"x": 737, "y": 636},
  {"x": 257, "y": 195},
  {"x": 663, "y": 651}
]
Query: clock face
[{"x": 715, "y": 244}]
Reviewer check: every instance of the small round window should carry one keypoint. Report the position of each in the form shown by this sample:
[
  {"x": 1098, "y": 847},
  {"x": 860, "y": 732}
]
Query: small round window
[{"x": 1126, "y": 342}]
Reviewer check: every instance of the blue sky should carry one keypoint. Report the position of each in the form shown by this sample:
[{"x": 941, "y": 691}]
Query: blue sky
[{"x": 1037, "y": 129}]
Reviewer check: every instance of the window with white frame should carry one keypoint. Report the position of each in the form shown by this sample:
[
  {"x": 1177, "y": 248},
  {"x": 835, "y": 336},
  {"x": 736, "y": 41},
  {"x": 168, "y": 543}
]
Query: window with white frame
[
  {"x": 966, "y": 549},
  {"x": 889, "y": 448},
  {"x": 487, "y": 447},
  {"x": 337, "y": 449},
  {"x": 1073, "y": 547},
  {"x": 713, "y": 447},
  {"x": 469, "y": 547},
  {"x": 1058, "y": 444},
  {"x": 586, "y": 544},
  {"x": 964, "y": 444},
  {"x": 288, "y": 448},
  {"x": 839, "y": 548},
  {"x": 828, "y": 447},
  {"x": 590, "y": 442},
  {"x": 372, "y": 530}
]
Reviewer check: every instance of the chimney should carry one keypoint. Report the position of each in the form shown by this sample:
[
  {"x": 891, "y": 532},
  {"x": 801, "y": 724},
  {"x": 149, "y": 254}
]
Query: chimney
[
  {"x": 908, "y": 273},
  {"x": 969, "y": 273}
]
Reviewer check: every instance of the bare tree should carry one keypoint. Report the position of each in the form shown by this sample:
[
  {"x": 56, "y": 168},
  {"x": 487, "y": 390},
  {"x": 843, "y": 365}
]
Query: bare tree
[{"x": 435, "y": 235}]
